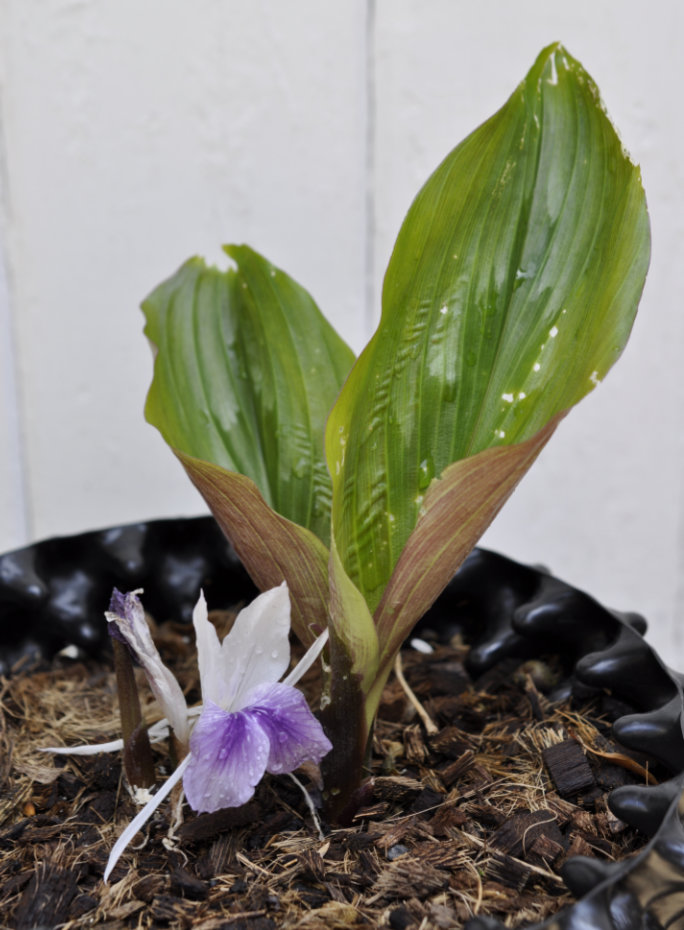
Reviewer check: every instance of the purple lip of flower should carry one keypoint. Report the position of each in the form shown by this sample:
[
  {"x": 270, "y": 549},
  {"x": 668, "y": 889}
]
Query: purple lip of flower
[{"x": 231, "y": 751}]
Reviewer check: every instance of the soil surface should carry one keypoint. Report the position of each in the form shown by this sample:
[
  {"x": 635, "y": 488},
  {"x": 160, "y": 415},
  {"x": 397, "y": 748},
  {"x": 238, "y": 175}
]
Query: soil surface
[{"x": 481, "y": 790}]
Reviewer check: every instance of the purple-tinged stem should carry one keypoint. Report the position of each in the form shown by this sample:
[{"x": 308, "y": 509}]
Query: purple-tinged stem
[
  {"x": 137, "y": 753},
  {"x": 344, "y": 722}
]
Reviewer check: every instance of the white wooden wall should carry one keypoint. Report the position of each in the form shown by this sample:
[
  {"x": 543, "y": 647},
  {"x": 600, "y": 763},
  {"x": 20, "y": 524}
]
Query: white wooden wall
[{"x": 134, "y": 133}]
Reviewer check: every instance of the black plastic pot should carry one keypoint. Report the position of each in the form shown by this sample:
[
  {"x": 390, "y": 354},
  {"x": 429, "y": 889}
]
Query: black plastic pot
[{"x": 52, "y": 595}]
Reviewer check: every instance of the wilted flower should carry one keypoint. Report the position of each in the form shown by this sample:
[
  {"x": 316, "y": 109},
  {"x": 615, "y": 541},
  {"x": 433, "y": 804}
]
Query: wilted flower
[{"x": 126, "y": 617}]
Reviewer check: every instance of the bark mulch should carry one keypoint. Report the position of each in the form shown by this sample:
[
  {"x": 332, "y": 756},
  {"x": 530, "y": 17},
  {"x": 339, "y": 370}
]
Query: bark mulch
[{"x": 481, "y": 791}]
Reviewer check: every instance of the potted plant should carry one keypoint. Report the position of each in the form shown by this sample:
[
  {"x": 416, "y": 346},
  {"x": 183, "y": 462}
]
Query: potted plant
[
  {"x": 363, "y": 485},
  {"x": 510, "y": 613}
]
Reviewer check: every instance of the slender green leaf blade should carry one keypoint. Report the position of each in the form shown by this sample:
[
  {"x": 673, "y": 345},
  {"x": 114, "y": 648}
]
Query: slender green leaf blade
[
  {"x": 351, "y": 626},
  {"x": 511, "y": 291},
  {"x": 246, "y": 371}
]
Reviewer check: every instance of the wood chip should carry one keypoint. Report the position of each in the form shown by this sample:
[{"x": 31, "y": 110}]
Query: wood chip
[
  {"x": 451, "y": 774},
  {"x": 205, "y": 826},
  {"x": 408, "y": 876},
  {"x": 545, "y": 851},
  {"x": 509, "y": 871},
  {"x": 563, "y": 810},
  {"x": 415, "y": 749},
  {"x": 517, "y": 835},
  {"x": 396, "y": 788},
  {"x": 449, "y": 742},
  {"x": 568, "y": 768},
  {"x": 578, "y": 846},
  {"x": 446, "y": 818}
]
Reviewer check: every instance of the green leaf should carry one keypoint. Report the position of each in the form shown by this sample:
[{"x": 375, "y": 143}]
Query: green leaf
[
  {"x": 246, "y": 371},
  {"x": 457, "y": 507},
  {"x": 511, "y": 291},
  {"x": 352, "y": 629}
]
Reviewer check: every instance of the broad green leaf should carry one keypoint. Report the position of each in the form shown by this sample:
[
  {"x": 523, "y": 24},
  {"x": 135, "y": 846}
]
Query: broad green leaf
[
  {"x": 246, "y": 371},
  {"x": 511, "y": 291},
  {"x": 270, "y": 547}
]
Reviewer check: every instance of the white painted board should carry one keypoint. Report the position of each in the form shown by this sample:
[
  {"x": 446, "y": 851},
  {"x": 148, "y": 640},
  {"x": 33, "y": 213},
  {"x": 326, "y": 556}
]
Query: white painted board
[{"x": 135, "y": 135}]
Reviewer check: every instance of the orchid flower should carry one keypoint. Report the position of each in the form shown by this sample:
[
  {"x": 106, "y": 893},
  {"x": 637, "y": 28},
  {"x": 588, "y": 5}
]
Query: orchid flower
[{"x": 250, "y": 722}]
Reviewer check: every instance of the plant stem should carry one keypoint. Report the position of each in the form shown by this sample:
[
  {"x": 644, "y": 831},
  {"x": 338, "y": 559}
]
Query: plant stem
[
  {"x": 137, "y": 753},
  {"x": 344, "y": 721}
]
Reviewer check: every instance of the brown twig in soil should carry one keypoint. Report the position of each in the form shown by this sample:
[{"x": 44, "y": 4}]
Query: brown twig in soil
[
  {"x": 618, "y": 758},
  {"x": 543, "y": 873},
  {"x": 431, "y": 727}
]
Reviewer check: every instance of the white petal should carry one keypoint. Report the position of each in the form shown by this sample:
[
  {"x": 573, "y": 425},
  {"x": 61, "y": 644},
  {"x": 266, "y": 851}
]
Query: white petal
[
  {"x": 143, "y": 816},
  {"x": 157, "y": 732},
  {"x": 307, "y": 660},
  {"x": 170, "y": 697},
  {"x": 209, "y": 658},
  {"x": 113, "y": 746},
  {"x": 255, "y": 652},
  {"x": 160, "y": 730}
]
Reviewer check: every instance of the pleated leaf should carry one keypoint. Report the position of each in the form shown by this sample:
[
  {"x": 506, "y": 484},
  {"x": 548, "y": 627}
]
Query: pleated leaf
[
  {"x": 245, "y": 373},
  {"x": 511, "y": 291}
]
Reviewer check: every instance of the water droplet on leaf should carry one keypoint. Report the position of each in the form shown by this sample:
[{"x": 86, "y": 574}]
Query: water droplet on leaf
[{"x": 426, "y": 472}]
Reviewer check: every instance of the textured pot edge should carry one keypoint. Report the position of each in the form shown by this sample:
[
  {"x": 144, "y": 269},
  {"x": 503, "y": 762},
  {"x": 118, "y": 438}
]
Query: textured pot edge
[
  {"x": 645, "y": 891},
  {"x": 57, "y": 582}
]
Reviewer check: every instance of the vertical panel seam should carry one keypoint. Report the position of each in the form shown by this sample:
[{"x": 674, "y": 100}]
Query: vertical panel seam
[
  {"x": 370, "y": 142},
  {"x": 677, "y": 599},
  {"x": 15, "y": 451}
]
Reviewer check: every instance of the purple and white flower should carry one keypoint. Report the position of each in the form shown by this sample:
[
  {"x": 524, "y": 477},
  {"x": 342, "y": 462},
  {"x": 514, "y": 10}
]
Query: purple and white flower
[{"x": 250, "y": 721}]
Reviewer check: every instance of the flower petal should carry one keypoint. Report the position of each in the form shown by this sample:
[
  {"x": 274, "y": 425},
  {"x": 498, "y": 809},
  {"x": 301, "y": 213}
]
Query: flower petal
[
  {"x": 308, "y": 659},
  {"x": 294, "y": 734},
  {"x": 255, "y": 652},
  {"x": 143, "y": 816},
  {"x": 114, "y": 746},
  {"x": 229, "y": 752},
  {"x": 209, "y": 658},
  {"x": 128, "y": 616}
]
